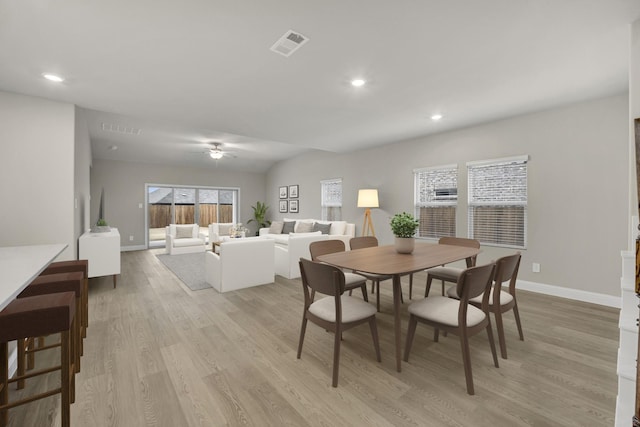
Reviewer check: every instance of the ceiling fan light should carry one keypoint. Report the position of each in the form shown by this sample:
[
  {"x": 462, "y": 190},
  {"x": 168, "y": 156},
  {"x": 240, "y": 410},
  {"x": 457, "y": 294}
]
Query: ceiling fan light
[{"x": 216, "y": 153}]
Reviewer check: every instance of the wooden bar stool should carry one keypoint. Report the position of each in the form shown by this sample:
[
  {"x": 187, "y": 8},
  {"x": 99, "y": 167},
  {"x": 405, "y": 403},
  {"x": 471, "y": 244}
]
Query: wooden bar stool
[
  {"x": 81, "y": 265},
  {"x": 50, "y": 284},
  {"x": 32, "y": 317}
]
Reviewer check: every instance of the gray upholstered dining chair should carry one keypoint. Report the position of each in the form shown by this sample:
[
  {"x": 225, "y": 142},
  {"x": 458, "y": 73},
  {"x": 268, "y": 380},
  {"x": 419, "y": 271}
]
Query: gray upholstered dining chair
[
  {"x": 501, "y": 301},
  {"x": 457, "y": 316},
  {"x": 351, "y": 280},
  {"x": 335, "y": 312},
  {"x": 368, "y": 242},
  {"x": 445, "y": 273}
]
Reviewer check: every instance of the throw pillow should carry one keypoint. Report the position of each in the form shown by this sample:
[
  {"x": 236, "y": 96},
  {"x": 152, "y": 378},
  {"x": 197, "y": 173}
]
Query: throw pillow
[
  {"x": 184, "y": 231},
  {"x": 288, "y": 227},
  {"x": 276, "y": 227},
  {"x": 323, "y": 228},
  {"x": 304, "y": 227},
  {"x": 338, "y": 227},
  {"x": 224, "y": 229}
]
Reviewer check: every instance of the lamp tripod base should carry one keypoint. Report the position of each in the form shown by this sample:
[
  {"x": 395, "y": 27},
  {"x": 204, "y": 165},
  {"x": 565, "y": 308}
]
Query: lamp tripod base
[{"x": 367, "y": 225}]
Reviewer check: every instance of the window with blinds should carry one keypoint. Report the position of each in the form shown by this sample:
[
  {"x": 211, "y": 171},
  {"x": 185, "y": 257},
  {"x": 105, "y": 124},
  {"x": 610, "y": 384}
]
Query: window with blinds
[
  {"x": 498, "y": 202},
  {"x": 436, "y": 198},
  {"x": 331, "y": 199}
]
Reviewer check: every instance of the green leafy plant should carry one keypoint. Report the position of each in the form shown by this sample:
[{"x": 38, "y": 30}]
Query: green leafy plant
[
  {"x": 260, "y": 214},
  {"x": 404, "y": 225},
  {"x": 101, "y": 223}
]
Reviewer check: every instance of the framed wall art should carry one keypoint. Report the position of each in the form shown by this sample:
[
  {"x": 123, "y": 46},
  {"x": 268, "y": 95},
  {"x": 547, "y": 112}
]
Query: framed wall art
[
  {"x": 283, "y": 192},
  {"x": 293, "y": 206},
  {"x": 293, "y": 191},
  {"x": 283, "y": 206}
]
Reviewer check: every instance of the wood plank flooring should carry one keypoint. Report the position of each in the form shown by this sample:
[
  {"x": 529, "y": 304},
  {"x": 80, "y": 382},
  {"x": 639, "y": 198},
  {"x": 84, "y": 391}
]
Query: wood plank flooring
[{"x": 158, "y": 354}]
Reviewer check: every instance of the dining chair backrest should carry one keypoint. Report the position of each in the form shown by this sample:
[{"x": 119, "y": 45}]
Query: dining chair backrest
[
  {"x": 363, "y": 242},
  {"x": 324, "y": 247},
  {"x": 476, "y": 281},
  {"x": 323, "y": 278},
  {"x": 461, "y": 241},
  {"x": 506, "y": 270}
]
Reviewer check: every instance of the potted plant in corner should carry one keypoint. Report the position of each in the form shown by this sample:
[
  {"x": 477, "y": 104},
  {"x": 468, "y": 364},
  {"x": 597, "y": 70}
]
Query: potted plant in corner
[
  {"x": 404, "y": 227},
  {"x": 259, "y": 216}
]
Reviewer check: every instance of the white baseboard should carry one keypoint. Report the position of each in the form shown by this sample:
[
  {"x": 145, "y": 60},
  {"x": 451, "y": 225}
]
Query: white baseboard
[
  {"x": 574, "y": 294},
  {"x": 132, "y": 248}
]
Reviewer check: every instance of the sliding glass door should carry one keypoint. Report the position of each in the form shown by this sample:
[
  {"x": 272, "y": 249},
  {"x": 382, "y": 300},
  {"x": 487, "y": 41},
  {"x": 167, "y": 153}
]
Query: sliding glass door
[{"x": 187, "y": 205}]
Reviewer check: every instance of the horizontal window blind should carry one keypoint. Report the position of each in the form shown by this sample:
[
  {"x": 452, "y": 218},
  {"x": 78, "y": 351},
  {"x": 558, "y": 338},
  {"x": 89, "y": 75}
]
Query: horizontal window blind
[
  {"x": 436, "y": 198},
  {"x": 331, "y": 201},
  {"x": 498, "y": 201}
]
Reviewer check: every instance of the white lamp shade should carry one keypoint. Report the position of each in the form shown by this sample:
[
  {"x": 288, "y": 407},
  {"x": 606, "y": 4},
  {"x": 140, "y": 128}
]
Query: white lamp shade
[{"x": 368, "y": 198}]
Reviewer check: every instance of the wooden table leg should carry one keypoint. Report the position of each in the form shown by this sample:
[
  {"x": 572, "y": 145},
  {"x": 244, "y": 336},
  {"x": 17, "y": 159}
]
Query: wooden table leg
[
  {"x": 114, "y": 281},
  {"x": 397, "y": 290}
]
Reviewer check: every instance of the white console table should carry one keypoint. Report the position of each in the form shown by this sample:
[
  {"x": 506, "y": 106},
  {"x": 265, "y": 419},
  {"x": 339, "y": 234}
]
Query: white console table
[{"x": 102, "y": 250}]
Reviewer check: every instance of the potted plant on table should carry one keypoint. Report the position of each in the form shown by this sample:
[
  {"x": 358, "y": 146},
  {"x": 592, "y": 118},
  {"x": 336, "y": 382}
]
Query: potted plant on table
[
  {"x": 403, "y": 226},
  {"x": 259, "y": 216}
]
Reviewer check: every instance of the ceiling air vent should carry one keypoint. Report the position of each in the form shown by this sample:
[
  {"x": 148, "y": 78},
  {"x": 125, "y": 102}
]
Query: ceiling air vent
[
  {"x": 289, "y": 43},
  {"x": 110, "y": 127}
]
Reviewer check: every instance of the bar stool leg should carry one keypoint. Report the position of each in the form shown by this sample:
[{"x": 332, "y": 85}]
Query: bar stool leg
[{"x": 4, "y": 375}]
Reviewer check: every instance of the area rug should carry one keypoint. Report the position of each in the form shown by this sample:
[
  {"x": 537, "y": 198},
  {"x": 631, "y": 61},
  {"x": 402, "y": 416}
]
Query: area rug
[{"x": 187, "y": 267}]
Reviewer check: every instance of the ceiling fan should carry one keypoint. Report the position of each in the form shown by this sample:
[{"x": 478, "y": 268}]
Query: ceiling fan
[{"x": 216, "y": 152}]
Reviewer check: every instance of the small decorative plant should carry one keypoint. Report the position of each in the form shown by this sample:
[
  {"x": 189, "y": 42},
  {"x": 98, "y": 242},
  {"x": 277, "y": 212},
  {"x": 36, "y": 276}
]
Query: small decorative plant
[
  {"x": 259, "y": 215},
  {"x": 404, "y": 225},
  {"x": 101, "y": 223}
]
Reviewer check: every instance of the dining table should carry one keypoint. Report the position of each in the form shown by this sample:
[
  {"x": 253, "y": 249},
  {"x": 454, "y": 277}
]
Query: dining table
[
  {"x": 386, "y": 260},
  {"x": 20, "y": 265}
]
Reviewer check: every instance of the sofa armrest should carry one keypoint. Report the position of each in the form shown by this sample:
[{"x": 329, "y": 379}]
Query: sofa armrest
[
  {"x": 350, "y": 230},
  {"x": 263, "y": 231},
  {"x": 212, "y": 270}
]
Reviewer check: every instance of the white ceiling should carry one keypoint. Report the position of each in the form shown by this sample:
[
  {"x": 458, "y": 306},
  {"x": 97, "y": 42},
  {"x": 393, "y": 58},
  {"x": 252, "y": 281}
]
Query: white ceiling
[{"x": 193, "y": 71}]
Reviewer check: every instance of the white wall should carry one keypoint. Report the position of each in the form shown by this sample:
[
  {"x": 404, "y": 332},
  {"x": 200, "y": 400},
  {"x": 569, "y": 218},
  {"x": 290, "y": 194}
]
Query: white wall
[
  {"x": 37, "y": 172},
  {"x": 124, "y": 186},
  {"x": 578, "y": 174},
  {"x": 82, "y": 163}
]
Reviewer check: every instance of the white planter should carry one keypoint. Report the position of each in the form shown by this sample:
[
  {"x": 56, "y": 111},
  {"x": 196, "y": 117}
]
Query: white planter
[{"x": 405, "y": 245}]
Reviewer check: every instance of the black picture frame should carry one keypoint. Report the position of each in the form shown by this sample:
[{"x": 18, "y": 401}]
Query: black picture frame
[
  {"x": 293, "y": 206},
  {"x": 283, "y": 192},
  {"x": 293, "y": 191},
  {"x": 283, "y": 206}
]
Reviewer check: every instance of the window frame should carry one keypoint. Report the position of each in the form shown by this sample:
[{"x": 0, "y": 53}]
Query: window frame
[
  {"x": 419, "y": 203},
  {"x": 326, "y": 205},
  {"x": 513, "y": 194}
]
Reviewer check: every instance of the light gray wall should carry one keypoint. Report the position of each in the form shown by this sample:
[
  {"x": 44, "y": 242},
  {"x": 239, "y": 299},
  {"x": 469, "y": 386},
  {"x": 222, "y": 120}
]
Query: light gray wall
[
  {"x": 578, "y": 174},
  {"x": 124, "y": 186},
  {"x": 634, "y": 113},
  {"x": 37, "y": 146}
]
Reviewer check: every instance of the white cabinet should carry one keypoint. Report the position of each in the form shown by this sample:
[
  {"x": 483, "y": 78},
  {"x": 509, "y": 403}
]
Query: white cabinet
[{"x": 102, "y": 250}]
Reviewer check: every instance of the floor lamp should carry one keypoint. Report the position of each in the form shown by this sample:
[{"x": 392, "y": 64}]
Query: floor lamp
[{"x": 368, "y": 198}]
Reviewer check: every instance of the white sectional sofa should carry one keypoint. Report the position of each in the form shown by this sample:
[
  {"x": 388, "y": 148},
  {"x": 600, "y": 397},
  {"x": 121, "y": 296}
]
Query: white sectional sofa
[
  {"x": 242, "y": 263},
  {"x": 292, "y": 240}
]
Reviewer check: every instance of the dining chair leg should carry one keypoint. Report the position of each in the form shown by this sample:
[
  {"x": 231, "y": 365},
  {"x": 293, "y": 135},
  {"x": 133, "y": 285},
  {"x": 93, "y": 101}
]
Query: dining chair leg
[
  {"x": 517, "y": 316},
  {"x": 413, "y": 322},
  {"x": 428, "y": 286},
  {"x": 492, "y": 344},
  {"x": 373, "y": 286},
  {"x": 303, "y": 329},
  {"x": 336, "y": 356},
  {"x": 501, "y": 339},
  {"x": 374, "y": 335},
  {"x": 436, "y": 334},
  {"x": 466, "y": 360},
  {"x": 377, "y": 283},
  {"x": 365, "y": 296},
  {"x": 443, "y": 288}
]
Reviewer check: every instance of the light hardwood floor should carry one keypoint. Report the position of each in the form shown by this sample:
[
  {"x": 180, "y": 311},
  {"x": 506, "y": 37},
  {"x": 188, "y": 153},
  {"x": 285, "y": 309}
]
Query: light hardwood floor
[{"x": 158, "y": 354}]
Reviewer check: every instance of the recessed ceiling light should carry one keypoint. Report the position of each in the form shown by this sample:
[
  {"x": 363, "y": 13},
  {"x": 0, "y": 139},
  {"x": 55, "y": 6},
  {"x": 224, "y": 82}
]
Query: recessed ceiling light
[
  {"x": 358, "y": 82},
  {"x": 436, "y": 117},
  {"x": 53, "y": 77}
]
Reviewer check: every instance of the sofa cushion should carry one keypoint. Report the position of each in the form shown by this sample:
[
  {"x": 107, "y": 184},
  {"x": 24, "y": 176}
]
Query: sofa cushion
[
  {"x": 304, "y": 227},
  {"x": 280, "y": 239},
  {"x": 338, "y": 227},
  {"x": 184, "y": 242},
  {"x": 323, "y": 228},
  {"x": 288, "y": 227},
  {"x": 224, "y": 229},
  {"x": 276, "y": 227},
  {"x": 184, "y": 231},
  {"x": 310, "y": 233}
]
